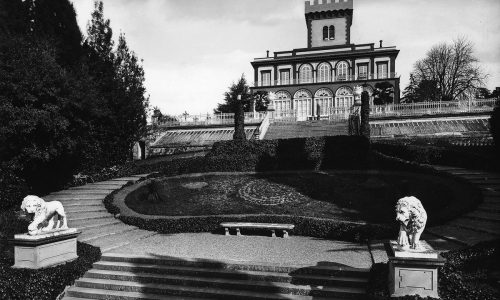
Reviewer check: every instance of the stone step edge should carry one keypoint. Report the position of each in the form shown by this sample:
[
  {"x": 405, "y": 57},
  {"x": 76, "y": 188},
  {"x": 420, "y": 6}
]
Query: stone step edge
[
  {"x": 448, "y": 238},
  {"x": 221, "y": 283},
  {"x": 114, "y": 246},
  {"x": 145, "y": 259},
  {"x": 83, "y": 228},
  {"x": 476, "y": 229},
  {"x": 481, "y": 218},
  {"x": 109, "y": 284},
  {"x": 105, "y": 234},
  {"x": 107, "y": 215},
  {"x": 124, "y": 295},
  {"x": 124, "y": 268}
]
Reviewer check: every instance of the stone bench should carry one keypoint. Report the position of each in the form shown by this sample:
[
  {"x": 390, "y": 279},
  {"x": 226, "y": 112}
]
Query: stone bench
[{"x": 272, "y": 226}]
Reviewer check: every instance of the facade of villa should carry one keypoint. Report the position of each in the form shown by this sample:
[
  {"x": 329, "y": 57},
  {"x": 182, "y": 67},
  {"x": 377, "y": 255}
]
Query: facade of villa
[{"x": 321, "y": 79}]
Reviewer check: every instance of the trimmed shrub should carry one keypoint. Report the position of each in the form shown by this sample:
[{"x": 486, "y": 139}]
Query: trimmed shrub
[
  {"x": 12, "y": 189},
  {"x": 304, "y": 226},
  {"x": 439, "y": 155},
  {"x": 47, "y": 283},
  {"x": 336, "y": 152}
]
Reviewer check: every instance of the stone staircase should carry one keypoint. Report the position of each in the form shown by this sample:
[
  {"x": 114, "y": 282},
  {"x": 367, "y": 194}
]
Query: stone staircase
[
  {"x": 306, "y": 129},
  {"x": 483, "y": 223},
  {"x": 124, "y": 276},
  {"x": 85, "y": 210}
]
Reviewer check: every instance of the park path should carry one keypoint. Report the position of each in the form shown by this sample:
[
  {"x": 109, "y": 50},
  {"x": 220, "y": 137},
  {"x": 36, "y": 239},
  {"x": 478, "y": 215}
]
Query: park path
[
  {"x": 86, "y": 211},
  {"x": 481, "y": 224}
]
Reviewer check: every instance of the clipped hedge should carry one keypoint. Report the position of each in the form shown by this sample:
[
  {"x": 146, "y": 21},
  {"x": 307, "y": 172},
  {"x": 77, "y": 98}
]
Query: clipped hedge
[
  {"x": 47, "y": 283},
  {"x": 441, "y": 154},
  {"x": 332, "y": 152},
  {"x": 304, "y": 226}
]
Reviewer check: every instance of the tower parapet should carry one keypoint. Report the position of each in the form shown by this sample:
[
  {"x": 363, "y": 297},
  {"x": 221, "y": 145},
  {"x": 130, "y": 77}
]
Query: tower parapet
[{"x": 327, "y": 5}]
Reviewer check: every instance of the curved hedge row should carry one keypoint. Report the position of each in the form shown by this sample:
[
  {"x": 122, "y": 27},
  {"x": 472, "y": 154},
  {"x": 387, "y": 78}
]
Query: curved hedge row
[{"x": 304, "y": 226}]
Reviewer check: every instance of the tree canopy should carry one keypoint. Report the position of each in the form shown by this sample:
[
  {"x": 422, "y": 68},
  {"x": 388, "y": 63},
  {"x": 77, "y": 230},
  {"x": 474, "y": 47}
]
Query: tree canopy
[
  {"x": 66, "y": 104},
  {"x": 448, "y": 72},
  {"x": 241, "y": 87}
]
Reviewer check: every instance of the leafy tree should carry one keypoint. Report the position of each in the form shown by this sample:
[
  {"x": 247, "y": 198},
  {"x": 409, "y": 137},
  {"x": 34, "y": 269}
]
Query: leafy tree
[
  {"x": 454, "y": 69},
  {"x": 231, "y": 97},
  {"x": 383, "y": 93},
  {"x": 483, "y": 93}
]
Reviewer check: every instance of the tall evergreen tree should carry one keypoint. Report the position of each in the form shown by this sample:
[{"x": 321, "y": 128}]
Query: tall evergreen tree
[{"x": 55, "y": 20}]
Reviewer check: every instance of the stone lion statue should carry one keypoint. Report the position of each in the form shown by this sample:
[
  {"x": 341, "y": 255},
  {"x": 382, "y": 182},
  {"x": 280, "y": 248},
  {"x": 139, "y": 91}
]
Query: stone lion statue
[
  {"x": 49, "y": 216},
  {"x": 412, "y": 218}
]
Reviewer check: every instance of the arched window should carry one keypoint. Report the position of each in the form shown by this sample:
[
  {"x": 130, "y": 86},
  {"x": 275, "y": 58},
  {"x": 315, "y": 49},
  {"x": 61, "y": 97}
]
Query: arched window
[
  {"x": 344, "y": 97},
  {"x": 282, "y": 104},
  {"x": 305, "y": 74},
  {"x": 342, "y": 68},
  {"x": 323, "y": 99},
  {"x": 324, "y": 72},
  {"x": 302, "y": 102},
  {"x": 331, "y": 32},
  {"x": 325, "y": 33}
]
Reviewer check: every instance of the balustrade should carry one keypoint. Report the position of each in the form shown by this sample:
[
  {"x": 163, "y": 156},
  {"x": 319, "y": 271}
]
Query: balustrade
[
  {"x": 316, "y": 79},
  {"x": 340, "y": 113}
]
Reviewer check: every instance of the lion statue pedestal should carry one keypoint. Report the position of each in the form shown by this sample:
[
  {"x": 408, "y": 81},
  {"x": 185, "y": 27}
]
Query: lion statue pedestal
[
  {"x": 413, "y": 263},
  {"x": 49, "y": 241}
]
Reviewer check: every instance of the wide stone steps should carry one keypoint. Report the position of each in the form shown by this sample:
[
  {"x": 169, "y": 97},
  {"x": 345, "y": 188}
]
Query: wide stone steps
[
  {"x": 123, "y": 276},
  {"x": 105, "y": 267}
]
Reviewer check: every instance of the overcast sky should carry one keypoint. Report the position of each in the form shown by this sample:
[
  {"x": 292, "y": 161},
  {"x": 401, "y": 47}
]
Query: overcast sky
[{"x": 194, "y": 49}]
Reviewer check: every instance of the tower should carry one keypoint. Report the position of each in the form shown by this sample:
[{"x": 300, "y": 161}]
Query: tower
[{"x": 329, "y": 22}]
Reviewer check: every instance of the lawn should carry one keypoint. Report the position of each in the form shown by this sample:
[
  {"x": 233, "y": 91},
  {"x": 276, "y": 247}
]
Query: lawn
[{"x": 342, "y": 195}]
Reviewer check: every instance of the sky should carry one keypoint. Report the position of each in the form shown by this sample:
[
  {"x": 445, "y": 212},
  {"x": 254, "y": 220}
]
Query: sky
[{"x": 193, "y": 50}]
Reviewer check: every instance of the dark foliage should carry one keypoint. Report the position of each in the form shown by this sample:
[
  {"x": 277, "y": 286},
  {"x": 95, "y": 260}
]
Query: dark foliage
[
  {"x": 495, "y": 126},
  {"x": 239, "y": 123},
  {"x": 340, "y": 152},
  {"x": 383, "y": 93},
  {"x": 65, "y": 106},
  {"x": 47, "y": 283},
  {"x": 365, "y": 115},
  {"x": 440, "y": 154}
]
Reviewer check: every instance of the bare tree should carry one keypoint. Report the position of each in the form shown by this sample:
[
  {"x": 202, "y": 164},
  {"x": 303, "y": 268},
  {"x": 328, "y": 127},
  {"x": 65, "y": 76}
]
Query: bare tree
[{"x": 453, "y": 68}]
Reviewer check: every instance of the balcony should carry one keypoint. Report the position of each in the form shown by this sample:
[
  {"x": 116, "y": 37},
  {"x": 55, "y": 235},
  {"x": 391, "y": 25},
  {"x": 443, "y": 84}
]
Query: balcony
[{"x": 336, "y": 79}]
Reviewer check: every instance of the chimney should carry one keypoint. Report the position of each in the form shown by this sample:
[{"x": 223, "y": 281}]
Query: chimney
[
  {"x": 267, "y": 53},
  {"x": 381, "y": 43}
]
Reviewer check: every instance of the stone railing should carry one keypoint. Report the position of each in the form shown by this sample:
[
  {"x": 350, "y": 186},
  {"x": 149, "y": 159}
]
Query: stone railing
[
  {"x": 338, "y": 113},
  {"x": 433, "y": 108},
  {"x": 337, "y": 78},
  {"x": 210, "y": 119}
]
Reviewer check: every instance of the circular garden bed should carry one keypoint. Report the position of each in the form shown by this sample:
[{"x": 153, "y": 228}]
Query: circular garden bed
[{"x": 359, "y": 196}]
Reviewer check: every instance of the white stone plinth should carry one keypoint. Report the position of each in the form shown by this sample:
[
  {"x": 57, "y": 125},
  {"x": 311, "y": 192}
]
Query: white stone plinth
[
  {"x": 45, "y": 250},
  {"x": 413, "y": 272}
]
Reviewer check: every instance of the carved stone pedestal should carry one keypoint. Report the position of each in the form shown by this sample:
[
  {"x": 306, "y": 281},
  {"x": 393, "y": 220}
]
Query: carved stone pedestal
[
  {"x": 45, "y": 250},
  {"x": 413, "y": 272}
]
